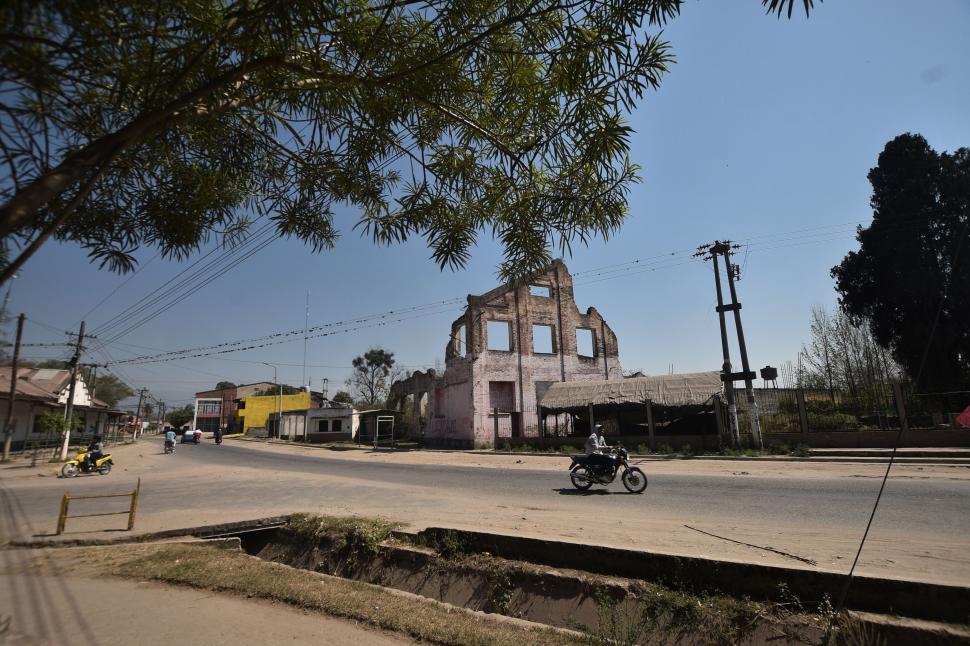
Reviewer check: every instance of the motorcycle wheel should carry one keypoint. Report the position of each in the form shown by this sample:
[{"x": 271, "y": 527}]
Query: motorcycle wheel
[
  {"x": 581, "y": 478},
  {"x": 105, "y": 469},
  {"x": 634, "y": 480},
  {"x": 69, "y": 470}
]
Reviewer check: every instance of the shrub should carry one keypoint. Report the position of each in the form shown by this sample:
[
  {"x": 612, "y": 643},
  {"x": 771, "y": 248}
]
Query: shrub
[
  {"x": 802, "y": 450},
  {"x": 778, "y": 448}
]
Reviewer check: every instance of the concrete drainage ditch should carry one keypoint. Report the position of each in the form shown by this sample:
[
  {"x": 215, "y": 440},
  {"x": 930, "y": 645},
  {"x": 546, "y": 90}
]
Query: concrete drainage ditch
[{"x": 668, "y": 607}]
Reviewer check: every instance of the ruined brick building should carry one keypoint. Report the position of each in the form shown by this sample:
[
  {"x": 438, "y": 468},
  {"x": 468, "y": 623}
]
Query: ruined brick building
[{"x": 508, "y": 347}]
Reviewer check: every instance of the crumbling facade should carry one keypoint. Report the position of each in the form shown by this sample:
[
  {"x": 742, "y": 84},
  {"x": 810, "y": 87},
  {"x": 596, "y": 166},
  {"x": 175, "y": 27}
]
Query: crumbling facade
[{"x": 508, "y": 347}]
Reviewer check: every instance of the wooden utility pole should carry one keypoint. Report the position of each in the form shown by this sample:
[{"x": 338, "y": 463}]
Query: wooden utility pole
[
  {"x": 69, "y": 408},
  {"x": 712, "y": 252},
  {"x": 8, "y": 423}
]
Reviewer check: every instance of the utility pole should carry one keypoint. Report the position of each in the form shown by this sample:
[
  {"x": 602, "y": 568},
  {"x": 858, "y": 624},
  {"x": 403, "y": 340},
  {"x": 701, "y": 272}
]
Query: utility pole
[
  {"x": 712, "y": 252},
  {"x": 7, "y": 425},
  {"x": 141, "y": 397},
  {"x": 69, "y": 408}
]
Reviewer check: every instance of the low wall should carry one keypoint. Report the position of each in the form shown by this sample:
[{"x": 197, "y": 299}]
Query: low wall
[
  {"x": 873, "y": 439},
  {"x": 914, "y": 599},
  {"x": 631, "y": 442},
  {"x": 322, "y": 438},
  {"x": 814, "y": 439}
]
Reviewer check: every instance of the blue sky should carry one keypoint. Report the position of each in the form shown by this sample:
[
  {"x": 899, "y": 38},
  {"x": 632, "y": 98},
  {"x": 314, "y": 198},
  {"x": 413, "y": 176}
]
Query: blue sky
[{"x": 763, "y": 132}]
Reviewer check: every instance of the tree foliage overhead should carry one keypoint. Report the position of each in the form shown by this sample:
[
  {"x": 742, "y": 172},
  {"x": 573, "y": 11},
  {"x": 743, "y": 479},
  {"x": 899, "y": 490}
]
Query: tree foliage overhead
[
  {"x": 125, "y": 125},
  {"x": 370, "y": 381},
  {"x": 910, "y": 278}
]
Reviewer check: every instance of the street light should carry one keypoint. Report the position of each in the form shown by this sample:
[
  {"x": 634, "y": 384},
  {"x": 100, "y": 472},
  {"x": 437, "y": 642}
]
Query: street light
[{"x": 279, "y": 419}]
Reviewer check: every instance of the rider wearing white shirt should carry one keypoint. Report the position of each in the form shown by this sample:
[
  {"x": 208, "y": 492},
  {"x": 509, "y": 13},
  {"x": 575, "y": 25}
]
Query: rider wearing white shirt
[
  {"x": 597, "y": 450},
  {"x": 595, "y": 442}
]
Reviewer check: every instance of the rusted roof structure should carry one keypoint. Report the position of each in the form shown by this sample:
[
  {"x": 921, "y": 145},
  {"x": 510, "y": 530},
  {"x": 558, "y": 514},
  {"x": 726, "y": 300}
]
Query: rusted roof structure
[{"x": 687, "y": 389}]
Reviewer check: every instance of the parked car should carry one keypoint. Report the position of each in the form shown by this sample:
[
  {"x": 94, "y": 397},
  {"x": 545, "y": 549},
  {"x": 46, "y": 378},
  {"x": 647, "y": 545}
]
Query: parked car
[{"x": 191, "y": 437}]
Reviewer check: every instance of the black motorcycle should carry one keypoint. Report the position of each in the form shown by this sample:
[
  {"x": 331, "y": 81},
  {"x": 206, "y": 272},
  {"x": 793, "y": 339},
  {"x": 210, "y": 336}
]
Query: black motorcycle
[{"x": 585, "y": 471}]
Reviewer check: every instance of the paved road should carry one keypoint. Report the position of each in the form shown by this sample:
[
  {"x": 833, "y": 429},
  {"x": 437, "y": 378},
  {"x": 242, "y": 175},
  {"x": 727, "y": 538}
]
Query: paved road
[{"x": 922, "y": 529}]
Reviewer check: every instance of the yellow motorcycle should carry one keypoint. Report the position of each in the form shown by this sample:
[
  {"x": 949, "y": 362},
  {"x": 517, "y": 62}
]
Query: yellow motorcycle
[{"x": 80, "y": 464}]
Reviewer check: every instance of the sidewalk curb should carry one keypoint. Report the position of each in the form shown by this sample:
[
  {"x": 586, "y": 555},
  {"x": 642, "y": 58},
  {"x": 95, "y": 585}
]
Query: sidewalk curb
[{"x": 821, "y": 459}]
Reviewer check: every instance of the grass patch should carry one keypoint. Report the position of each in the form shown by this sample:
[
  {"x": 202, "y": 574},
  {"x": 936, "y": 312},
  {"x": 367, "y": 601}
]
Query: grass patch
[
  {"x": 210, "y": 568},
  {"x": 365, "y": 534}
]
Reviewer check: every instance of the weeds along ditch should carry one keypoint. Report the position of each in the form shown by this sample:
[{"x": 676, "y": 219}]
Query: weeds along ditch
[{"x": 447, "y": 566}]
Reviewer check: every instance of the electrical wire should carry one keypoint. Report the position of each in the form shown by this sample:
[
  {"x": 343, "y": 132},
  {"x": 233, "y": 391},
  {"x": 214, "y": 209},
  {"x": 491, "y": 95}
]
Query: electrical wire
[
  {"x": 190, "y": 289},
  {"x": 118, "y": 288},
  {"x": 178, "y": 290},
  {"x": 608, "y": 272},
  {"x": 380, "y": 323}
]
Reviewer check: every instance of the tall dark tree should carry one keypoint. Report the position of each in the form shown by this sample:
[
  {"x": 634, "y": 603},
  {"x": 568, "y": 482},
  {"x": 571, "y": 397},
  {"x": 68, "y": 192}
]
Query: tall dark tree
[
  {"x": 124, "y": 126},
  {"x": 910, "y": 278},
  {"x": 343, "y": 397},
  {"x": 225, "y": 385},
  {"x": 370, "y": 380},
  {"x": 181, "y": 416}
]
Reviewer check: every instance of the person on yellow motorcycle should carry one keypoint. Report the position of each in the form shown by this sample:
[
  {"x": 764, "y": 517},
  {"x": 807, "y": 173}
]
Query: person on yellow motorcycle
[{"x": 95, "y": 452}]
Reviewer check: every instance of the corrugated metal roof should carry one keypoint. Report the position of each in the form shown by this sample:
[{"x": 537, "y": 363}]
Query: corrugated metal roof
[{"x": 666, "y": 390}]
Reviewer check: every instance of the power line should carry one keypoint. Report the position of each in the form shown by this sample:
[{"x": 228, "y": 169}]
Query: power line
[
  {"x": 173, "y": 282},
  {"x": 808, "y": 235},
  {"x": 175, "y": 292},
  {"x": 119, "y": 287},
  {"x": 300, "y": 332},
  {"x": 345, "y": 330}
]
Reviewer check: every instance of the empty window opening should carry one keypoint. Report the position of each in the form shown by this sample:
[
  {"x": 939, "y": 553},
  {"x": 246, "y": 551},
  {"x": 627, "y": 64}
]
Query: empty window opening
[
  {"x": 460, "y": 342},
  {"x": 542, "y": 340},
  {"x": 336, "y": 425},
  {"x": 584, "y": 342},
  {"x": 540, "y": 290},
  {"x": 323, "y": 426},
  {"x": 499, "y": 335}
]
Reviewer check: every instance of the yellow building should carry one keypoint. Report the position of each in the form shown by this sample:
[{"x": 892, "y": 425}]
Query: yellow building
[{"x": 254, "y": 411}]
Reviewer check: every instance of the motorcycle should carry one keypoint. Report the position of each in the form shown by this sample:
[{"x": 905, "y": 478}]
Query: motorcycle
[
  {"x": 170, "y": 446},
  {"x": 80, "y": 464},
  {"x": 585, "y": 472}
]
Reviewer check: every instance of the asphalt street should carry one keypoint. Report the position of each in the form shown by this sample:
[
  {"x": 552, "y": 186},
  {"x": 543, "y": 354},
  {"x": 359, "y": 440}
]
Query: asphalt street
[
  {"x": 923, "y": 505},
  {"x": 216, "y": 482}
]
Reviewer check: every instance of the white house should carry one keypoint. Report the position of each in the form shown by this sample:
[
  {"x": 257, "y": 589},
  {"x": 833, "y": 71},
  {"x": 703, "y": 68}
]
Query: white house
[
  {"x": 46, "y": 391},
  {"x": 332, "y": 422}
]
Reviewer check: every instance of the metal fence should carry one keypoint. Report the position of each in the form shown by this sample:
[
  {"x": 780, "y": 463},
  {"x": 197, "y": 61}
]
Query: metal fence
[{"x": 877, "y": 407}]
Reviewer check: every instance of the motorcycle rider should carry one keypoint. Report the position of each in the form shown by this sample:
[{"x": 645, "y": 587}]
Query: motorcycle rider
[
  {"x": 217, "y": 435},
  {"x": 597, "y": 450},
  {"x": 95, "y": 452},
  {"x": 170, "y": 439}
]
